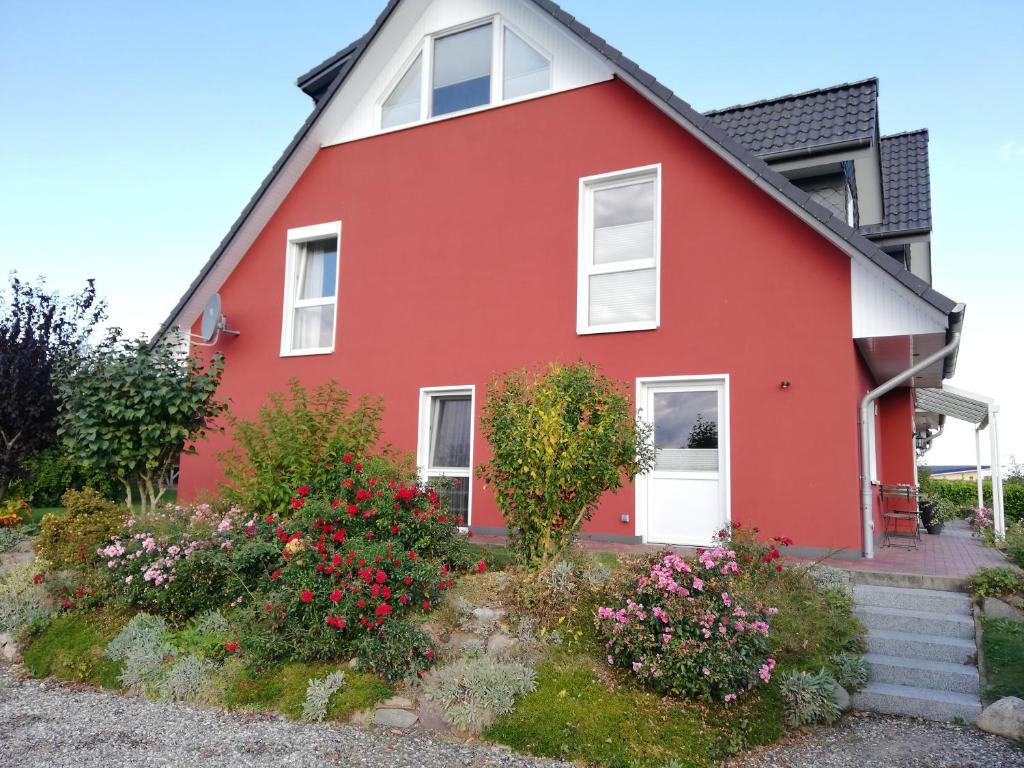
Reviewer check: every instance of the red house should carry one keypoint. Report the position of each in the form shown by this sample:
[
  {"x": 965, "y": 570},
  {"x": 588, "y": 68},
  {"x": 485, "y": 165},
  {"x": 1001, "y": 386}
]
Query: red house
[{"x": 487, "y": 184}]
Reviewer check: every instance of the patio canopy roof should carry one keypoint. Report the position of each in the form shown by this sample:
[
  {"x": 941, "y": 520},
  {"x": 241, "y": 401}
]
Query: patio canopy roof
[{"x": 934, "y": 404}]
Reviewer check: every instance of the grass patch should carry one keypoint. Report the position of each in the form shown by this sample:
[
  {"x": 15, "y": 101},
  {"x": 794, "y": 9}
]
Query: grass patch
[
  {"x": 1003, "y": 653},
  {"x": 580, "y": 712},
  {"x": 282, "y": 689},
  {"x": 71, "y": 648}
]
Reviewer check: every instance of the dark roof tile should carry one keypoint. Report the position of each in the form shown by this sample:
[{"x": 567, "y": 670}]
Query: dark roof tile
[{"x": 906, "y": 188}]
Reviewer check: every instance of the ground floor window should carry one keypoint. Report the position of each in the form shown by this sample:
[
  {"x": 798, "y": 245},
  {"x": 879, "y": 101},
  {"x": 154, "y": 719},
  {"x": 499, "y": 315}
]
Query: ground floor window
[{"x": 445, "y": 445}]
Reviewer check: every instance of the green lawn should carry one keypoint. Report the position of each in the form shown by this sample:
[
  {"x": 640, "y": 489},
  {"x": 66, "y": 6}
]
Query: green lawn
[{"x": 1003, "y": 653}]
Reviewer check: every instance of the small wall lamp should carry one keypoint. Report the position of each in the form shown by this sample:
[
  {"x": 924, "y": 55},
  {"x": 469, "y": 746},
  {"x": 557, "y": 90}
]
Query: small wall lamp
[{"x": 784, "y": 384}]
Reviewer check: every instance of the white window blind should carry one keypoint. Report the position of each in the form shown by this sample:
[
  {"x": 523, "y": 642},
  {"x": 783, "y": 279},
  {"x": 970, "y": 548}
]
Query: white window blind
[{"x": 619, "y": 252}]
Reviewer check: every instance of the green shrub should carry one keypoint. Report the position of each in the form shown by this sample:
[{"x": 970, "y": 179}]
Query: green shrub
[
  {"x": 810, "y": 697},
  {"x": 300, "y": 438},
  {"x": 143, "y": 648},
  {"x": 474, "y": 692},
  {"x": 560, "y": 439},
  {"x": 396, "y": 650},
  {"x": 964, "y": 493},
  {"x": 1015, "y": 543},
  {"x": 23, "y": 596},
  {"x": 71, "y": 540},
  {"x": 318, "y": 696},
  {"x": 47, "y": 475},
  {"x": 682, "y": 628},
  {"x": 851, "y": 670},
  {"x": 996, "y": 582}
]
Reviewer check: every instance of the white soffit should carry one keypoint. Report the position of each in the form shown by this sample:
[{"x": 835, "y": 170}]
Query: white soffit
[
  {"x": 883, "y": 307},
  {"x": 353, "y": 112}
]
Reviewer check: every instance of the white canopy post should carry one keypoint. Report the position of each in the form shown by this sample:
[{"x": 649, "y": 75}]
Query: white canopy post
[
  {"x": 977, "y": 477},
  {"x": 998, "y": 519}
]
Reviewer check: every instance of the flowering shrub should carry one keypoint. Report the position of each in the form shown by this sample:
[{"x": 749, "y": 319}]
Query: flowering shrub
[
  {"x": 179, "y": 562},
  {"x": 14, "y": 511},
  {"x": 681, "y": 628}
]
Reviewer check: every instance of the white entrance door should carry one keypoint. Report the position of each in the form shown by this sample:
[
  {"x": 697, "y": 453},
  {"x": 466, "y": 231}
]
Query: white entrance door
[{"x": 683, "y": 500}]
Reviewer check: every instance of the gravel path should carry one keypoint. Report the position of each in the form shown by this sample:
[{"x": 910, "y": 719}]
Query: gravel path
[
  {"x": 51, "y": 725},
  {"x": 874, "y": 741}
]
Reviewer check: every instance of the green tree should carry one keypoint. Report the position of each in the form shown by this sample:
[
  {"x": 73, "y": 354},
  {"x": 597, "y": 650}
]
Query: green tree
[
  {"x": 703, "y": 434},
  {"x": 560, "y": 439},
  {"x": 131, "y": 409}
]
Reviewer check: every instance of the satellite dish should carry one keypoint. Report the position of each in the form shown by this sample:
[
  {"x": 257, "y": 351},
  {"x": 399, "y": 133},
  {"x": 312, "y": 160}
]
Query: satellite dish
[{"x": 211, "y": 318}]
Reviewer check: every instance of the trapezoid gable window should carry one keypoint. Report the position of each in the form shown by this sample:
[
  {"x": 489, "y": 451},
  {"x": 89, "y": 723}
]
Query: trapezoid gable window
[{"x": 467, "y": 68}]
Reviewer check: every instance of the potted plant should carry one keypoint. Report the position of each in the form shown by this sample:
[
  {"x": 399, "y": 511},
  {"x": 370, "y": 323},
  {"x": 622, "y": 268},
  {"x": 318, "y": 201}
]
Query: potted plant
[{"x": 941, "y": 511}]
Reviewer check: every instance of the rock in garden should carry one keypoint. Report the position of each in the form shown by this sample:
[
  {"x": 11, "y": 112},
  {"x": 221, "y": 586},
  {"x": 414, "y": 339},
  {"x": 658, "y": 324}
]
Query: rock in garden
[
  {"x": 488, "y": 615},
  {"x": 395, "y": 718},
  {"x": 843, "y": 699},
  {"x": 1004, "y": 718},
  {"x": 8, "y": 648},
  {"x": 500, "y": 644},
  {"x": 997, "y": 609}
]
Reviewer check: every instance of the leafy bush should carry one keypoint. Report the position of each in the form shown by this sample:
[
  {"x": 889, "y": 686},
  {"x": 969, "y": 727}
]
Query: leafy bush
[
  {"x": 810, "y": 697},
  {"x": 851, "y": 670},
  {"x": 47, "y": 475},
  {"x": 560, "y": 439},
  {"x": 299, "y": 438},
  {"x": 23, "y": 596},
  {"x": 318, "y": 696},
  {"x": 14, "y": 511},
  {"x": 681, "y": 627},
  {"x": 996, "y": 582},
  {"x": 70, "y": 540},
  {"x": 474, "y": 692},
  {"x": 1015, "y": 543},
  {"x": 964, "y": 494},
  {"x": 10, "y": 538},
  {"x": 396, "y": 650}
]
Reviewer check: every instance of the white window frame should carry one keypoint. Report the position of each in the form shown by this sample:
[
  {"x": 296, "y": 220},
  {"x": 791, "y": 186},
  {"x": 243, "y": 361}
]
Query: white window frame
[
  {"x": 297, "y": 237},
  {"x": 873, "y": 444},
  {"x": 423, "y": 440},
  {"x": 586, "y": 267},
  {"x": 426, "y": 47}
]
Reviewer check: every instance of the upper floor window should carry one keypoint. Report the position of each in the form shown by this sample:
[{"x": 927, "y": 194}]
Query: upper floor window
[
  {"x": 311, "y": 290},
  {"x": 619, "y": 251},
  {"x": 464, "y": 69}
]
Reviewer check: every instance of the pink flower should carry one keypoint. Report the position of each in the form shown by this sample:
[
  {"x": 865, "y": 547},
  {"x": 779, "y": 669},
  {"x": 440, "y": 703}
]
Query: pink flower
[{"x": 698, "y": 584}]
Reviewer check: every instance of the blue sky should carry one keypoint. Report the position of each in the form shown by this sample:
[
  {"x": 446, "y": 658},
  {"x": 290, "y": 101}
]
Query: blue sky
[{"x": 133, "y": 133}]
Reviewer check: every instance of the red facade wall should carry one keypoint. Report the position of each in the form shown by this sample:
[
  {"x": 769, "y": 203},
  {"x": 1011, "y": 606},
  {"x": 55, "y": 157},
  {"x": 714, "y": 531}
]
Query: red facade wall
[
  {"x": 897, "y": 460},
  {"x": 459, "y": 260}
]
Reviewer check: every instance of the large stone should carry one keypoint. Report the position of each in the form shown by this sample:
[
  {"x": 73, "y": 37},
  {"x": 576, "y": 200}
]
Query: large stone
[
  {"x": 997, "y": 609},
  {"x": 500, "y": 644},
  {"x": 488, "y": 615},
  {"x": 394, "y": 718},
  {"x": 9, "y": 650},
  {"x": 1004, "y": 718},
  {"x": 843, "y": 699}
]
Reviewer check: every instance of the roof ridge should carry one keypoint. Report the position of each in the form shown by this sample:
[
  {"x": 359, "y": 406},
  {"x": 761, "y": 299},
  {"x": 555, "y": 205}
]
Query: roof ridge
[
  {"x": 788, "y": 96},
  {"x": 911, "y": 132}
]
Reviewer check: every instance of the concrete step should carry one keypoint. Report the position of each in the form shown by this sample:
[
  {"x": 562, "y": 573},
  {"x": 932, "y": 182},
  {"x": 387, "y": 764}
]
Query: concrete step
[
  {"x": 911, "y": 599},
  {"x": 917, "y": 702},
  {"x": 916, "y": 622},
  {"x": 922, "y": 673},
  {"x": 952, "y": 650}
]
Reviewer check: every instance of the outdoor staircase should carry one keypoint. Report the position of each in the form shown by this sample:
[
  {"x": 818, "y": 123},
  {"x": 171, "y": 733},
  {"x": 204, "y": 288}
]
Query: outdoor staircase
[{"x": 921, "y": 653}]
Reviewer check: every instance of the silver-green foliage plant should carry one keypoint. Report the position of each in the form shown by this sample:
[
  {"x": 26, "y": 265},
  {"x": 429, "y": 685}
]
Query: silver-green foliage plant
[
  {"x": 474, "y": 692},
  {"x": 185, "y": 679},
  {"x": 851, "y": 670},
  {"x": 827, "y": 578},
  {"x": 22, "y": 599},
  {"x": 318, "y": 696},
  {"x": 212, "y": 623},
  {"x": 810, "y": 697},
  {"x": 9, "y": 538},
  {"x": 142, "y": 649},
  {"x": 562, "y": 577}
]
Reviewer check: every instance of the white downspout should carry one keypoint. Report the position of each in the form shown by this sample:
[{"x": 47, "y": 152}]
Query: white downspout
[{"x": 867, "y": 454}]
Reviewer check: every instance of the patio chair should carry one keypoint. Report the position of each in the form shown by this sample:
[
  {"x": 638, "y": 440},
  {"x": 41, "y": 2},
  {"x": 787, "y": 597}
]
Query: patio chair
[{"x": 901, "y": 527}]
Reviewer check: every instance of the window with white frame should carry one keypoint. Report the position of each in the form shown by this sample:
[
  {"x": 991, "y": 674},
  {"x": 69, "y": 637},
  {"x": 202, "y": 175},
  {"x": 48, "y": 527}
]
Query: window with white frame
[
  {"x": 311, "y": 290},
  {"x": 466, "y": 68},
  {"x": 445, "y": 451},
  {"x": 619, "y": 251}
]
